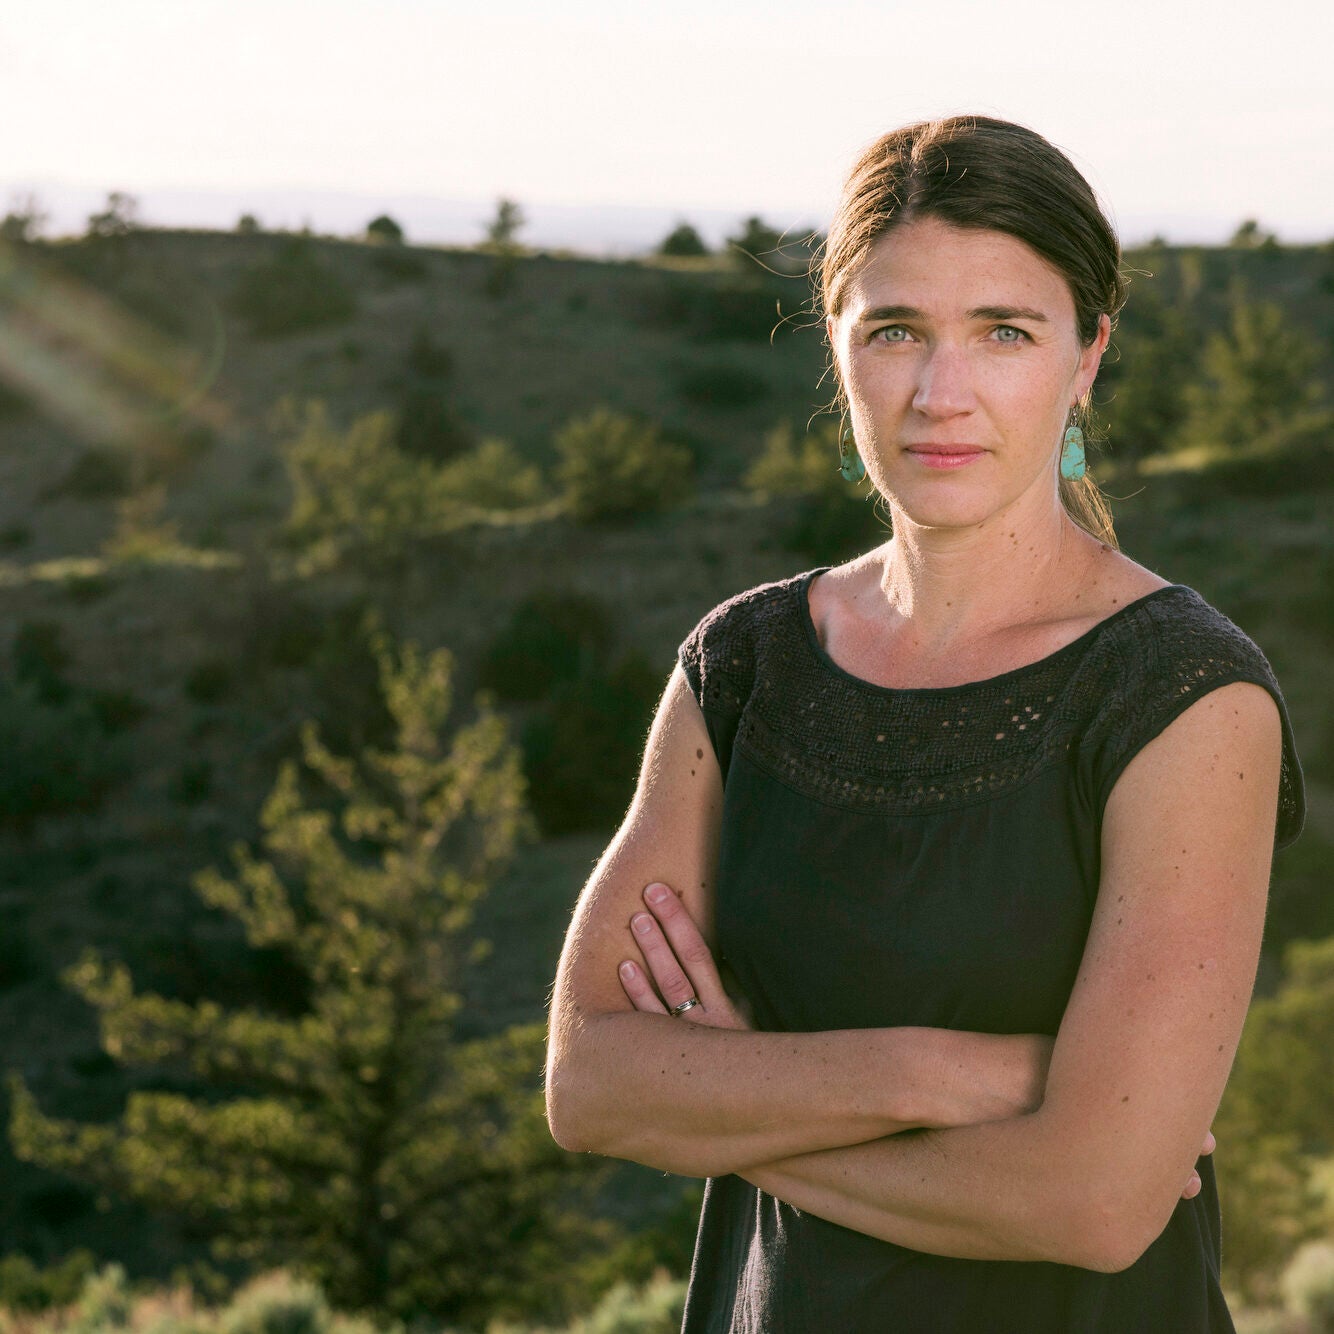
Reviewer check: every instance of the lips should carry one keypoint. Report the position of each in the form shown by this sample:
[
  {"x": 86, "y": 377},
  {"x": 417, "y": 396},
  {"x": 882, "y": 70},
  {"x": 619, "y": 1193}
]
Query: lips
[
  {"x": 945, "y": 449},
  {"x": 945, "y": 456}
]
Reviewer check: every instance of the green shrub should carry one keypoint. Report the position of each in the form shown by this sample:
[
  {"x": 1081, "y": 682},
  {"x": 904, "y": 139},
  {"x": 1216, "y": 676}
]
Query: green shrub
[
  {"x": 208, "y": 681},
  {"x": 581, "y": 755},
  {"x": 552, "y": 637},
  {"x": 1308, "y": 1286},
  {"x": 277, "y": 1304},
  {"x": 491, "y": 477},
  {"x": 291, "y": 291},
  {"x": 99, "y": 473},
  {"x": 25, "y": 1287},
  {"x": 656, "y": 1308},
  {"x": 104, "y": 1303},
  {"x": 40, "y": 659},
  {"x": 828, "y": 517},
  {"x": 612, "y": 466},
  {"x": 683, "y": 240},
  {"x": 429, "y": 426},
  {"x": 356, "y": 489},
  {"x": 57, "y": 757},
  {"x": 384, "y": 231}
]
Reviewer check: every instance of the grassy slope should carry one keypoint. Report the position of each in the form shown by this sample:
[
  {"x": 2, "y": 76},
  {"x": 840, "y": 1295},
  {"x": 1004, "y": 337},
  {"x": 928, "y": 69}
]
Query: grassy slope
[{"x": 573, "y": 333}]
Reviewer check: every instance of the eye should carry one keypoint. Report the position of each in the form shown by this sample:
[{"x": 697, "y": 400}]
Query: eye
[
  {"x": 892, "y": 333},
  {"x": 1007, "y": 333}
]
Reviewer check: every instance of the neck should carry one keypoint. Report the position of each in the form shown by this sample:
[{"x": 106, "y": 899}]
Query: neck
[{"x": 952, "y": 585}]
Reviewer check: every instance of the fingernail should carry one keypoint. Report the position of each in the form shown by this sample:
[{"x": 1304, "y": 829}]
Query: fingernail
[
  {"x": 642, "y": 923},
  {"x": 628, "y": 971},
  {"x": 657, "y": 893}
]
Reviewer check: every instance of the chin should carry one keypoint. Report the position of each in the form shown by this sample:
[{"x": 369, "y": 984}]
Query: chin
[{"x": 941, "y": 511}]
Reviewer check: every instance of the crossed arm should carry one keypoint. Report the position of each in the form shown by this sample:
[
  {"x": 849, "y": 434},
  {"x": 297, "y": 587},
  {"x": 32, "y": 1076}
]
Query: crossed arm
[{"x": 1080, "y": 1162}]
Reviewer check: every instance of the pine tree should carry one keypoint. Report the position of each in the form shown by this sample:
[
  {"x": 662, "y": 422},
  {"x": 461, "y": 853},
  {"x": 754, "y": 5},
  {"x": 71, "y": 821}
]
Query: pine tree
[
  {"x": 364, "y": 1142},
  {"x": 1257, "y": 381}
]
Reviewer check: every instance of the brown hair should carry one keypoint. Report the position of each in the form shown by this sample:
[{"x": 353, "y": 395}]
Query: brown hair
[{"x": 973, "y": 171}]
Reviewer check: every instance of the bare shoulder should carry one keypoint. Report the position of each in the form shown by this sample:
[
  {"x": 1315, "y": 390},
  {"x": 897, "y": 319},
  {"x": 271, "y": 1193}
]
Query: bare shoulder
[{"x": 1113, "y": 580}]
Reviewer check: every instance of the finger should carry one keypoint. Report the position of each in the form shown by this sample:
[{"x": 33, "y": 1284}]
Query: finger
[
  {"x": 668, "y": 976},
  {"x": 1210, "y": 1143},
  {"x": 688, "y": 944},
  {"x": 637, "y": 986},
  {"x": 1193, "y": 1187}
]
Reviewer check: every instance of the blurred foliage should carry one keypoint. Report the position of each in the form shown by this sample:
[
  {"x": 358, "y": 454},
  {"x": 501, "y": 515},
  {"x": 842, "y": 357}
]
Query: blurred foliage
[
  {"x": 612, "y": 466},
  {"x": 491, "y": 476},
  {"x": 503, "y": 246},
  {"x": 1143, "y": 383},
  {"x": 384, "y": 230},
  {"x": 26, "y": 1287},
  {"x": 356, "y": 490},
  {"x": 720, "y": 385},
  {"x": 711, "y": 311},
  {"x": 362, "y": 1141},
  {"x": 291, "y": 291},
  {"x": 828, "y": 518},
  {"x": 1275, "y": 1120},
  {"x": 683, "y": 241},
  {"x": 1257, "y": 379},
  {"x": 118, "y": 216},
  {"x": 552, "y": 636},
  {"x": 101, "y": 1301},
  {"x": 358, "y": 494},
  {"x": 1308, "y": 1286},
  {"x": 1225, "y": 485},
  {"x": 582, "y": 752}
]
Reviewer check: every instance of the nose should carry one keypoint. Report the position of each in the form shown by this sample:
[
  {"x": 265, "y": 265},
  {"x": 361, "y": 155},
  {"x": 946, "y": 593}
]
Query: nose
[{"x": 944, "y": 387}]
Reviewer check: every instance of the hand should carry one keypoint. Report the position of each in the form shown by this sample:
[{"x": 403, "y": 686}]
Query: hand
[
  {"x": 680, "y": 965},
  {"x": 1193, "y": 1184}
]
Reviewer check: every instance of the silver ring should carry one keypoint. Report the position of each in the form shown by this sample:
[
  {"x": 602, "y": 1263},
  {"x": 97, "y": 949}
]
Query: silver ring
[{"x": 678, "y": 1010}]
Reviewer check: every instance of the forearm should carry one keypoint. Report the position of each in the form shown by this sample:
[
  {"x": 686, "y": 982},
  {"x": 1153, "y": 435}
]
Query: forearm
[
  {"x": 1003, "y": 1190},
  {"x": 706, "y": 1101}
]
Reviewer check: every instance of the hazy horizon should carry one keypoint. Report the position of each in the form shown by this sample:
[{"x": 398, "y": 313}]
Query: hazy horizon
[
  {"x": 604, "y": 119},
  {"x": 591, "y": 228}
]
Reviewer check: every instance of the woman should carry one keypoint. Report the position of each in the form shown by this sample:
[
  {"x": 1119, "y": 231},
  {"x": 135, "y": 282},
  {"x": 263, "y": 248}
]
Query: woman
[{"x": 981, "y": 823}]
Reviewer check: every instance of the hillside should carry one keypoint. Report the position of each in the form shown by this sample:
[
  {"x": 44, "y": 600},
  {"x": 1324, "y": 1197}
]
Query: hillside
[{"x": 187, "y": 628}]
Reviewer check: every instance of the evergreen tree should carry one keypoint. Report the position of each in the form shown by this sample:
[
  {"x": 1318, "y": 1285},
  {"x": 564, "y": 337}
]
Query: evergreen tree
[
  {"x": 683, "y": 240},
  {"x": 366, "y": 1142},
  {"x": 1257, "y": 380},
  {"x": 1275, "y": 1123},
  {"x": 1146, "y": 384}
]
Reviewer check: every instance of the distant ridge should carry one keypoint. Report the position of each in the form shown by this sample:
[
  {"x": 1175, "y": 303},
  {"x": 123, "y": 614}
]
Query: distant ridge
[{"x": 594, "y": 229}]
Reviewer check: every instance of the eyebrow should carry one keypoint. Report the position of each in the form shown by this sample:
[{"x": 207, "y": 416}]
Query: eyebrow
[{"x": 977, "y": 313}]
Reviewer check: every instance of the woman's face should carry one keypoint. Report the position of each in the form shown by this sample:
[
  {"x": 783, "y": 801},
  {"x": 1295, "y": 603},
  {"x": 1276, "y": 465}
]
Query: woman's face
[{"x": 958, "y": 351}]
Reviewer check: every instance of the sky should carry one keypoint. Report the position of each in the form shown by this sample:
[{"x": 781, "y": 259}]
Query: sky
[{"x": 607, "y": 119}]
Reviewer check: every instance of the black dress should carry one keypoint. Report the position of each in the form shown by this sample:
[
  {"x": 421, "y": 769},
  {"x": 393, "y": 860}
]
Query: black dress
[{"x": 931, "y": 857}]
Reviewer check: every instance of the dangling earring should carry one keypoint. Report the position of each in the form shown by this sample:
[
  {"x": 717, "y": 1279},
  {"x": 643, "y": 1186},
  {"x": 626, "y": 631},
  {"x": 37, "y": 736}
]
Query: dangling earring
[
  {"x": 850, "y": 465},
  {"x": 1072, "y": 455}
]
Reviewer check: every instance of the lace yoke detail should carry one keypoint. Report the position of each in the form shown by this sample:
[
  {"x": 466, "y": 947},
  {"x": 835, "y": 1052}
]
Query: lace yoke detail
[{"x": 852, "y": 744}]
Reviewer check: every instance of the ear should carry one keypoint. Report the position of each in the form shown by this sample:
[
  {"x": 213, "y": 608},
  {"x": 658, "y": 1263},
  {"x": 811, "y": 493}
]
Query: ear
[{"x": 1090, "y": 358}]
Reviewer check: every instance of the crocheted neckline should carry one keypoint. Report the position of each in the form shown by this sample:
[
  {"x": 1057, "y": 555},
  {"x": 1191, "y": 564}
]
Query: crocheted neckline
[{"x": 801, "y": 587}]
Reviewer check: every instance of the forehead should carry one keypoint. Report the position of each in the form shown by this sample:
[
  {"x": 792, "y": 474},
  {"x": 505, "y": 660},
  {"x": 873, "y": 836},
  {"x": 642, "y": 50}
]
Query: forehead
[{"x": 942, "y": 269}]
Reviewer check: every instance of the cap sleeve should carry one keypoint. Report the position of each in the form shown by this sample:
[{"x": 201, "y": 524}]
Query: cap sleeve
[
  {"x": 718, "y": 659},
  {"x": 1175, "y": 651}
]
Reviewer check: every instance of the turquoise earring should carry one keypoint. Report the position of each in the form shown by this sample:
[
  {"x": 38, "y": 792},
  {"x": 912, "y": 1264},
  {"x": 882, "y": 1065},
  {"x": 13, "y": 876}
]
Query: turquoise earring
[
  {"x": 850, "y": 465},
  {"x": 1072, "y": 455}
]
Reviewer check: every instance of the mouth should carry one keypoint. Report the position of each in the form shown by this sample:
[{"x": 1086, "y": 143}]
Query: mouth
[{"x": 945, "y": 456}]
